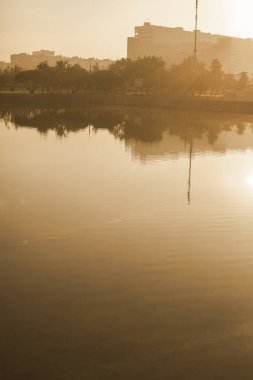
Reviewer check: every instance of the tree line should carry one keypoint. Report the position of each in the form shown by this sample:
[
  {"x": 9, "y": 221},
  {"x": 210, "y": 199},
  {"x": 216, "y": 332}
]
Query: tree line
[{"x": 144, "y": 75}]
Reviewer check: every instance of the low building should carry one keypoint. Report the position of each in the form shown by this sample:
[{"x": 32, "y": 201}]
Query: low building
[
  {"x": 30, "y": 61},
  {"x": 4, "y": 65}
]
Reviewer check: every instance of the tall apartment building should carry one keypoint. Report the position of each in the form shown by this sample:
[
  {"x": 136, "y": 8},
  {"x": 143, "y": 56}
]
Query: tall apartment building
[
  {"x": 175, "y": 44},
  {"x": 30, "y": 61}
]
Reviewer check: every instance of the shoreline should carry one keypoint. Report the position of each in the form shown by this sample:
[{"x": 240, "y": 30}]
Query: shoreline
[{"x": 150, "y": 101}]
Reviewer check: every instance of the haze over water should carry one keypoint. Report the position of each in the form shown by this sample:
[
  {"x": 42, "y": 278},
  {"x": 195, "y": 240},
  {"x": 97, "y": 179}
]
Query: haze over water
[{"x": 126, "y": 245}]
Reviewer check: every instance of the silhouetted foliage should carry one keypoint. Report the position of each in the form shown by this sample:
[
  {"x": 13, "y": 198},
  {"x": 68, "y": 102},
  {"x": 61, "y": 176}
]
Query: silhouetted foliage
[
  {"x": 7, "y": 77},
  {"x": 42, "y": 66},
  {"x": 103, "y": 80},
  {"x": 147, "y": 75},
  {"x": 243, "y": 81},
  {"x": 139, "y": 125},
  {"x": 216, "y": 76},
  {"x": 187, "y": 77},
  {"x": 29, "y": 78}
]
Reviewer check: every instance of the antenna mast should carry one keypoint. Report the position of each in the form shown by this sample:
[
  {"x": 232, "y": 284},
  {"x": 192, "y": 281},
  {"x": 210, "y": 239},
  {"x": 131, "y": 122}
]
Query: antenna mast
[{"x": 196, "y": 29}]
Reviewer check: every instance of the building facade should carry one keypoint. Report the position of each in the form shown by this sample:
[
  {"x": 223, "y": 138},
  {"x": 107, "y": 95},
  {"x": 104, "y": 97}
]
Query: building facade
[
  {"x": 30, "y": 61},
  {"x": 173, "y": 45}
]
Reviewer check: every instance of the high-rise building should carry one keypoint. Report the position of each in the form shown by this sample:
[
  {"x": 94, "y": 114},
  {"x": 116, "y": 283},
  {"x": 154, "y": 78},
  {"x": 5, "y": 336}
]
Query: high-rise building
[{"x": 175, "y": 44}]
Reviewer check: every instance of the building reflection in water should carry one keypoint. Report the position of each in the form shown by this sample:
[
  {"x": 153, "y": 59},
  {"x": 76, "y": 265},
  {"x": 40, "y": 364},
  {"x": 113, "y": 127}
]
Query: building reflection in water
[{"x": 150, "y": 135}]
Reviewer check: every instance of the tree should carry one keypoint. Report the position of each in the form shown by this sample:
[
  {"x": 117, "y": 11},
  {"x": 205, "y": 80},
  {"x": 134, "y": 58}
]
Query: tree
[
  {"x": 148, "y": 69},
  {"x": 243, "y": 81},
  {"x": 7, "y": 77},
  {"x": 123, "y": 69},
  {"x": 216, "y": 76},
  {"x": 61, "y": 65},
  {"x": 75, "y": 78},
  {"x": 95, "y": 67},
  {"x": 42, "y": 66},
  {"x": 230, "y": 81},
  {"x": 188, "y": 77},
  {"x": 151, "y": 70},
  {"x": 59, "y": 75},
  {"x": 103, "y": 80},
  {"x": 29, "y": 79}
]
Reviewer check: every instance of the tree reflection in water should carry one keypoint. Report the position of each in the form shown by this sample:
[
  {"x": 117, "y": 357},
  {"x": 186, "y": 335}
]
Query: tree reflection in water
[
  {"x": 148, "y": 133},
  {"x": 138, "y": 124}
]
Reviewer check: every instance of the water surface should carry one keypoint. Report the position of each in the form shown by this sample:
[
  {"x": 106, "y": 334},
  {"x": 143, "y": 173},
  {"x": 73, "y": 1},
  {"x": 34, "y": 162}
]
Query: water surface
[{"x": 126, "y": 245}]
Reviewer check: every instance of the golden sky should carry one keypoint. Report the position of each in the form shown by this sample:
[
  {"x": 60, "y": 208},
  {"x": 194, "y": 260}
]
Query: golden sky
[{"x": 99, "y": 28}]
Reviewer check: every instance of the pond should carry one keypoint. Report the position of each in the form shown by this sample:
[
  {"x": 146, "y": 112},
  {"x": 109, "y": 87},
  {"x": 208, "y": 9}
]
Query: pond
[{"x": 126, "y": 240}]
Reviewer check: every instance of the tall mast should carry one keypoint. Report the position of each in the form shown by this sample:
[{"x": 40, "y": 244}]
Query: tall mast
[{"x": 196, "y": 29}]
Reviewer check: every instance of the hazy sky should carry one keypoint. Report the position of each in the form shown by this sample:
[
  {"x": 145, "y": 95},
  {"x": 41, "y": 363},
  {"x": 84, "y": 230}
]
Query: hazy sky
[{"x": 99, "y": 28}]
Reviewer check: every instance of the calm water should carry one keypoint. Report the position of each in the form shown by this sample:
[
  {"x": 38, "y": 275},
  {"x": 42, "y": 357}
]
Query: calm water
[{"x": 126, "y": 240}]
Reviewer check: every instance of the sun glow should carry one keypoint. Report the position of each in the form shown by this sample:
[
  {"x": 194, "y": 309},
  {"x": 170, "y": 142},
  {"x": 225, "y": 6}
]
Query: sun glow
[
  {"x": 242, "y": 18},
  {"x": 250, "y": 180}
]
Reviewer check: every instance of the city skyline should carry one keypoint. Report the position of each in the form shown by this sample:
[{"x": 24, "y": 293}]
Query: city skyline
[
  {"x": 30, "y": 61},
  {"x": 173, "y": 45},
  {"x": 89, "y": 29}
]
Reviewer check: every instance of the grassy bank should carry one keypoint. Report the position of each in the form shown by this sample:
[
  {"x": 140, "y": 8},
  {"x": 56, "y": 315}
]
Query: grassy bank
[{"x": 157, "y": 101}]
